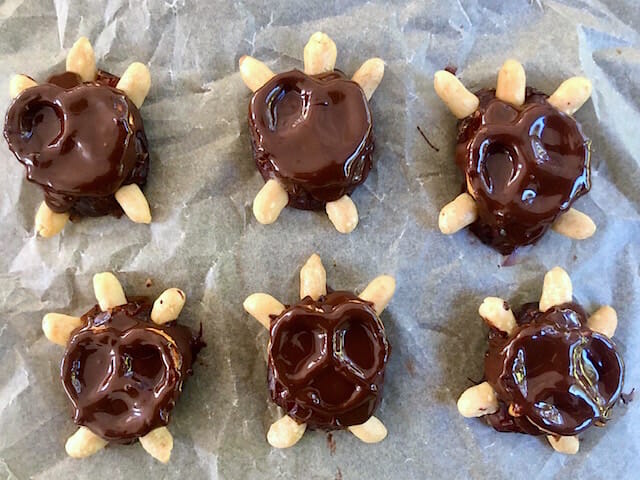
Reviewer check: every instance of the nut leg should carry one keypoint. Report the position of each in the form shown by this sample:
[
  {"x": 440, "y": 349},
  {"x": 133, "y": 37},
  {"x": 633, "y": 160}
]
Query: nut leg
[
  {"x": 134, "y": 203},
  {"x": 285, "y": 433},
  {"x": 313, "y": 278},
  {"x": 369, "y": 76},
  {"x": 261, "y": 306},
  {"x": 49, "y": 223},
  {"x": 82, "y": 60},
  {"x": 556, "y": 289},
  {"x": 158, "y": 443},
  {"x": 135, "y": 82},
  {"x": 343, "y": 214},
  {"x": 371, "y": 431},
  {"x": 379, "y": 292},
  {"x": 108, "y": 290},
  {"x": 168, "y": 306},
  {"x": 320, "y": 54},
  {"x": 84, "y": 443},
  {"x": 58, "y": 327},
  {"x": 478, "y": 400}
]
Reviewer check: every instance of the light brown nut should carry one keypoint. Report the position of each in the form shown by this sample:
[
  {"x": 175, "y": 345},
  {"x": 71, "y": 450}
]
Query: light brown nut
[
  {"x": 556, "y": 289},
  {"x": 371, "y": 431},
  {"x": 566, "y": 445},
  {"x": 477, "y": 401},
  {"x": 379, "y": 292},
  {"x": 604, "y": 321},
  {"x": 254, "y": 73},
  {"x": 497, "y": 313},
  {"x": 49, "y": 223},
  {"x": 571, "y": 95},
  {"x": 369, "y": 76},
  {"x": 269, "y": 202},
  {"x": 134, "y": 203},
  {"x": 168, "y": 306},
  {"x": 18, "y": 84},
  {"x": 84, "y": 443},
  {"x": 574, "y": 224},
  {"x": 313, "y": 278},
  {"x": 135, "y": 83},
  {"x": 58, "y": 327},
  {"x": 458, "y": 214},
  {"x": 320, "y": 54},
  {"x": 343, "y": 214},
  {"x": 512, "y": 82},
  {"x": 158, "y": 443},
  {"x": 82, "y": 60},
  {"x": 261, "y": 306},
  {"x": 108, "y": 290},
  {"x": 453, "y": 93},
  {"x": 285, "y": 432}
]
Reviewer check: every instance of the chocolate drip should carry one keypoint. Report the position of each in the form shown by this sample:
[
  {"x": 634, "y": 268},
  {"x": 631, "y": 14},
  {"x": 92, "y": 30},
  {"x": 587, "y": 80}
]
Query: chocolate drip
[
  {"x": 123, "y": 373},
  {"x": 327, "y": 360},
  {"x": 524, "y": 166},
  {"x": 79, "y": 141},
  {"x": 313, "y": 134},
  {"x": 558, "y": 376}
]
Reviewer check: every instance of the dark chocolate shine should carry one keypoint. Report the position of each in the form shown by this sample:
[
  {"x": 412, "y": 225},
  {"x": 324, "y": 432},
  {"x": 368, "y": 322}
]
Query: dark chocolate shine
[
  {"x": 123, "y": 373},
  {"x": 559, "y": 376},
  {"x": 313, "y": 134},
  {"x": 327, "y": 360},
  {"x": 79, "y": 141},
  {"x": 524, "y": 166}
]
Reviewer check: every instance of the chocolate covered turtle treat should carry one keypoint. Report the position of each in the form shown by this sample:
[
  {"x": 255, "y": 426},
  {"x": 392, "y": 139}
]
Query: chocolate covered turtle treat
[
  {"x": 81, "y": 138},
  {"x": 123, "y": 368},
  {"x": 524, "y": 157},
  {"x": 326, "y": 356},
  {"x": 549, "y": 369},
  {"x": 312, "y": 133}
]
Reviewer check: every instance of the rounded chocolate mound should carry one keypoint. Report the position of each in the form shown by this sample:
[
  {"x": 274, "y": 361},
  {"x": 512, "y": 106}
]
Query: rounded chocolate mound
[
  {"x": 313, "y": 134},
  {"x": 79, "y": 141},
  {"x": 557, "y": 375},
  {"x": 524, "y": 166},
  {"x": 123, "y": 373},
  {"x": 327, "y": 360}
]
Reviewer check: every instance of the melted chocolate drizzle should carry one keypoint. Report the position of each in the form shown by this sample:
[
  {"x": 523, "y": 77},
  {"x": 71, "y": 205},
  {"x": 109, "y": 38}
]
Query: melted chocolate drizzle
[
  {"x": 79, "y": 141},
  {"x": 524, "y": 166},
  {"x": 313, "y": 134},
  {"x": 558, "y": 375},
  {"x": 123, "y": 373},
  {"x": 327, "y": 360}
]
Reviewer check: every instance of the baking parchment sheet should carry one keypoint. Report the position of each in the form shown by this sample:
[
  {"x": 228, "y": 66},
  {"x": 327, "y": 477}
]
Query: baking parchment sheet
[{"x": 205, "y": 240}]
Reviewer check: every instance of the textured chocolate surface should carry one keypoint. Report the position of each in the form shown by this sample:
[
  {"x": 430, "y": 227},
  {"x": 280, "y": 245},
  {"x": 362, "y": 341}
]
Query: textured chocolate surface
[
  {"x": 123, "y": 373},
  {"x": 327, "y": 360},
  {"x": 524, "y": 166},
  {"x": 558, "y": 375},
  {"x": 79, "y": 141},
  {"x": 313, "y": 134}
]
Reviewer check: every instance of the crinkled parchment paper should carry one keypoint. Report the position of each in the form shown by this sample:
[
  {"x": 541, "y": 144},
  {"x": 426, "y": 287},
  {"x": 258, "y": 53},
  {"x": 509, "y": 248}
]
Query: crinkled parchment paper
[{"x": 205, "y": 240}]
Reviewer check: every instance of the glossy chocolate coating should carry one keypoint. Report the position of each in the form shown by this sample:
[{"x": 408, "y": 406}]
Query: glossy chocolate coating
[
  {"x": 524, "y": 166},
  {"x": 79, "y": 141},
  {"x": 327, "y": 360},
  {"x": 123, "y": 373},
  {"x": 313, "y": 134},
  {"x": 560, "y": 376}
]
